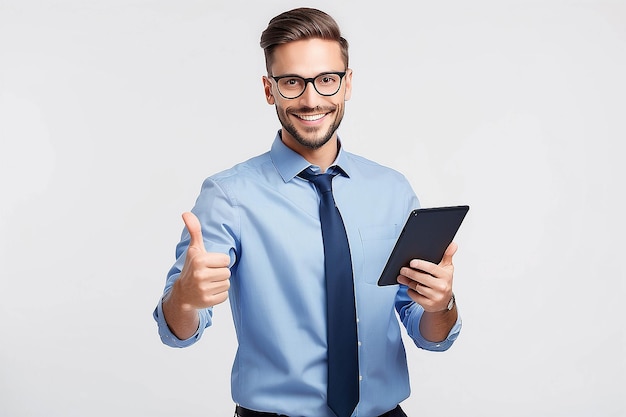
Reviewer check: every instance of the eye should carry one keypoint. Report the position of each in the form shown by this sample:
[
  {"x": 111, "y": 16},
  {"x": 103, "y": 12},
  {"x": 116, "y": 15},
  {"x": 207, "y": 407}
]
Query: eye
[
  {"x": 291, "y": 83},
  {"x": 327, "y": 79}
]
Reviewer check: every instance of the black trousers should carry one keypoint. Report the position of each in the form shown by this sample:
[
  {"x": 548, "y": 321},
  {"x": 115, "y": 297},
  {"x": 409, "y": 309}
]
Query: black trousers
[{"x": 244, "y": 412}]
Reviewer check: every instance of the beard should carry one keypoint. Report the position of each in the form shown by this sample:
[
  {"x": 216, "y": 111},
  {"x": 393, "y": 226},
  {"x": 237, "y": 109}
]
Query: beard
[{"x": 314, "y": 138}]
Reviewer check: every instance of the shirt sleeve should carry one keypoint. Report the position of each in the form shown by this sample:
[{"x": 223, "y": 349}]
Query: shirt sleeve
[
  {"x": 411, "y": 313},
  {"x": 218, "y": 220},
  {"x": 169, "y": 338}
]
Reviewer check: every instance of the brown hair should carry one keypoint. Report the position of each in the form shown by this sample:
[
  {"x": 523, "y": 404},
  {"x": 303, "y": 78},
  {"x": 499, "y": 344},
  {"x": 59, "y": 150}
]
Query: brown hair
[{"x": 299, "y": 24}]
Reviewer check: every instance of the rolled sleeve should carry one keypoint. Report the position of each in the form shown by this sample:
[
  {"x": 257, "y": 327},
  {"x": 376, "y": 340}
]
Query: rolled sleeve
[
  {"x": 411, "y": 314},
  {"x": 412, "y": 322},
  {"x": 217, "y": 226},
  {"x": 169, "y": 338}
]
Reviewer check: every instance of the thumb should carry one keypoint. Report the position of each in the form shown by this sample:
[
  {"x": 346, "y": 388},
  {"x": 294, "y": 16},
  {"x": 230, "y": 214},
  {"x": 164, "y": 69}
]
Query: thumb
[
  {"x": 195, "y": 230},
  {"x": 448, "y": 254}
]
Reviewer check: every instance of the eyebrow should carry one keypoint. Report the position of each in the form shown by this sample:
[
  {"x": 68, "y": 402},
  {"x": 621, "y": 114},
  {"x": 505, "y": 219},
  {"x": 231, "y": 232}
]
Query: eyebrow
[{"x": 302, "y": 76}]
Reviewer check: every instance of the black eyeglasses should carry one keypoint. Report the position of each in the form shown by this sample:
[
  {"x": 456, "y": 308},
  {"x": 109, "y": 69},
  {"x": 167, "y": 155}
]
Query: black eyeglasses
[{"x": 293, "y": 86}]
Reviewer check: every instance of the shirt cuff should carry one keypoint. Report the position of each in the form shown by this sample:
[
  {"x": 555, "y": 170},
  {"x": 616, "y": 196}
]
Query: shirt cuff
[
  {"x": 416, "y": 335},
  {"x": 169, "y": 338}
]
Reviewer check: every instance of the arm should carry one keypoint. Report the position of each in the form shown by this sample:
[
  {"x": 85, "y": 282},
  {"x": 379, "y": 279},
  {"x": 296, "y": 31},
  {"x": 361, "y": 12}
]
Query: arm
[
  {"x": 436, "y": 326},
  {"x": 180, "y": 314},
  {"x": 202, "y": 283},
  {"x": 430, "y": 286}
]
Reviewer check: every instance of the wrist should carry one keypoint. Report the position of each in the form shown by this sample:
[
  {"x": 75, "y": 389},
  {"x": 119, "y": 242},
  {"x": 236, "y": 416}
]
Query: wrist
[
  {"x": 451, "y": 303},
  {"x": 449, "y": 307},
  {"x": 174, "y": 301}
]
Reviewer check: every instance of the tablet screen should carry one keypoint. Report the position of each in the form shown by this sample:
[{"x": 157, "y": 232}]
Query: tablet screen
[{"x": 426, "y": 235}]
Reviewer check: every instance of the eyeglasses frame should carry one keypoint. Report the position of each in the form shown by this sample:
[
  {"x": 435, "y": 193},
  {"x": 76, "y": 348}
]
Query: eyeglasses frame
[{"x": 341, "y": 74}]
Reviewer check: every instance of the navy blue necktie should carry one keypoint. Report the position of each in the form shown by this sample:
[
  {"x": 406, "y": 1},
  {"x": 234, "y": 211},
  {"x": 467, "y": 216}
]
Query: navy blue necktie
[{"x": 343, "y": 366}]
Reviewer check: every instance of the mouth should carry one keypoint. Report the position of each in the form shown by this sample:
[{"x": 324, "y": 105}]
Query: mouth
[{"x": 310, "y": 117}]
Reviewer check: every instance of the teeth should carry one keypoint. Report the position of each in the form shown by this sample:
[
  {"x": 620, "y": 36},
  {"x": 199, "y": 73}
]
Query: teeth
[{"x": 311, "y": 117}]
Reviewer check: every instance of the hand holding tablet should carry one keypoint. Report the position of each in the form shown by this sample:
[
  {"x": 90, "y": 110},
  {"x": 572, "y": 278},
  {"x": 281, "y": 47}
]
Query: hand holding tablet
[{"x": 426, "y": 235}]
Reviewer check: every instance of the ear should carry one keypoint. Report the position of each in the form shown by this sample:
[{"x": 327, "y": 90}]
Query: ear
[
  {"x": 348, "y": 81},
  {"x": 267, "y": 87}
]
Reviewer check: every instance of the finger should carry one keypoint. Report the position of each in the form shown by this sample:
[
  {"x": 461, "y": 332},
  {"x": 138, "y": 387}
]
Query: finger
[
  {"x": 448, "y": 254},
  {"x": 218, "y": 260},
  {"x": 415, "y": 276},
  {"x": 195, "y": 231},
  {"x": 423, "y": 267},
  {"x": 404, "y": 280},
  {"x": 428, "y": 298},
  {"x": 414, "y": 289},
  {"x": 417, "y": 281},
  {"x": 216, "y": 299},
  {"x": 217, "y": 286}
]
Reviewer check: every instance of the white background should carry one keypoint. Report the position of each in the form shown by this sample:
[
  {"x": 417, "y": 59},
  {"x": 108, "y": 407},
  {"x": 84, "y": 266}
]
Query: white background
[{"x": 113, "y": 112}]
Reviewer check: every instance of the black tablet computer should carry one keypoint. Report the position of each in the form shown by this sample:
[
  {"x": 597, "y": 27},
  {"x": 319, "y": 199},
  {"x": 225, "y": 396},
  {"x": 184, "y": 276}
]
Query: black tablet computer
[{"x": 426, "y": 235}]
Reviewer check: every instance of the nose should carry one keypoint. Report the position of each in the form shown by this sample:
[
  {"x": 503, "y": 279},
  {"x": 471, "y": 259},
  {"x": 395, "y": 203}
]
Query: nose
[{"x": 309, "y": 95}]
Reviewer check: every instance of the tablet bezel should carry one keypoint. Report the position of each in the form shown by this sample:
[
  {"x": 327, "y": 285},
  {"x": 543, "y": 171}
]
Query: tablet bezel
[{"x": 426, "y": 235}]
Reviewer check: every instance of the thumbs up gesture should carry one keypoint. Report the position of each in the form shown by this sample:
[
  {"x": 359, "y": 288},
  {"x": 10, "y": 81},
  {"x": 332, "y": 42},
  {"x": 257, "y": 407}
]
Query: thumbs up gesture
[{"x": 205, "y": 278}]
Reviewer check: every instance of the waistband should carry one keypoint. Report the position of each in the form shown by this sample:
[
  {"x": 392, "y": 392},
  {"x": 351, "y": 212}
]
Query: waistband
[{"x": 244, "y": 412}]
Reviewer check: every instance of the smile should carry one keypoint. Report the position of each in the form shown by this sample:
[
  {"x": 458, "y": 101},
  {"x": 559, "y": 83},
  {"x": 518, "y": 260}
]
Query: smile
[{"x": 310, "y": 117}]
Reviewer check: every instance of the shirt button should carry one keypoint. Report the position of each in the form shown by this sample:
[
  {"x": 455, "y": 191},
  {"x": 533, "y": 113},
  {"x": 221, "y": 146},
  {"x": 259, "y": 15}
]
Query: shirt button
[
  {"x": 360, "y": 377},
  {"x": 359, "y": 343}
]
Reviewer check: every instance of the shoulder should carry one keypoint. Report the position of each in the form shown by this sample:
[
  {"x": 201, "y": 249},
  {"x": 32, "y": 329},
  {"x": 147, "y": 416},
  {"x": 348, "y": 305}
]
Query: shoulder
[
  {"x": 242, "y": 172},
  {"x": 245, "y": 182},
  {"x": 388, "y": 183},
  {"x": 367, "y": 169}
]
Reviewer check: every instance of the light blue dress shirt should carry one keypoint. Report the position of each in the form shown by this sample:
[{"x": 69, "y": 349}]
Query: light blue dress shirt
[{"x": 267, "y": 219}]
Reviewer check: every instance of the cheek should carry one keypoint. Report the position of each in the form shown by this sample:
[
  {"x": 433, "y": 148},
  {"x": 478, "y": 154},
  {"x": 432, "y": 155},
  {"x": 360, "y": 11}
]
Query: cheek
[
  {"x": 282, "y": 114},
  {"x": 340, "y": 108},
  {"x": 279, "y": 109}
]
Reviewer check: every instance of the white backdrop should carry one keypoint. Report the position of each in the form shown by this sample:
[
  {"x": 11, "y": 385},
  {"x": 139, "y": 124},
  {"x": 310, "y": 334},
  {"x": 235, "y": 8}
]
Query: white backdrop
[{"x": 113, "y": 112}]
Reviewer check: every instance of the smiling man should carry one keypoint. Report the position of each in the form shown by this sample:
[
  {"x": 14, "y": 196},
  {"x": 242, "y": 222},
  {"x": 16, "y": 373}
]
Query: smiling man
[
  {"x": 309, "y": 116},
  {"x": 296, "y": 238}
]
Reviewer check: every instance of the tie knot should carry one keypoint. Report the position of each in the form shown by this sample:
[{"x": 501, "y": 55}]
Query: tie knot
[{"x": 323, "y": 182}]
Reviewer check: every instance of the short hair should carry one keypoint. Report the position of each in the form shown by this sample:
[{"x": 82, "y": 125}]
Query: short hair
[{"x": 300, "y": 24}]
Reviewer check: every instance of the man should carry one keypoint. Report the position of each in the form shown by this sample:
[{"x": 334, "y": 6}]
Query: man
[{"x": 258, "y": 235}]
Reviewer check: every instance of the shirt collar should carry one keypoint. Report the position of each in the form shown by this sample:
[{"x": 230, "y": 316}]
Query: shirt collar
[{"x": 290, "y": 163}]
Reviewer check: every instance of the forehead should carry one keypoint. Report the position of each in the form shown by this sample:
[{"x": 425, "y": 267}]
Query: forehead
[{"x": 307, "y": 57}]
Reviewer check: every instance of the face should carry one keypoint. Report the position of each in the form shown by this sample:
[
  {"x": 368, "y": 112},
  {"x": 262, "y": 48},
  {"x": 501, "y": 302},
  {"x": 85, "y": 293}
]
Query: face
[{"x": 309, "y": 121}]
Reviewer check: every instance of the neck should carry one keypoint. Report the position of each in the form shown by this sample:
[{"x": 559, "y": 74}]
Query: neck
[{"x": 323, "y": 157}]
